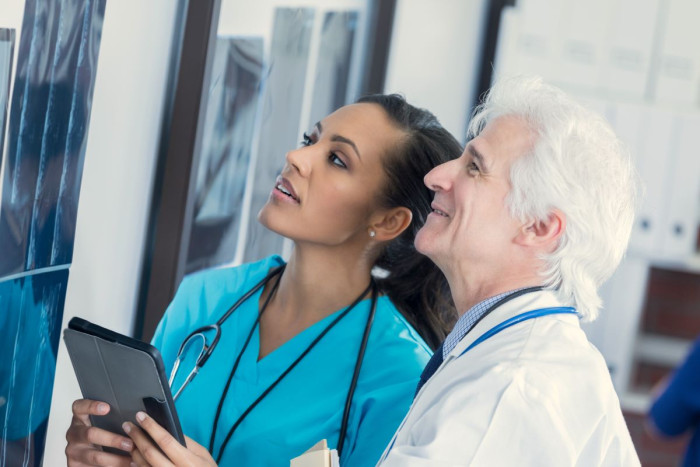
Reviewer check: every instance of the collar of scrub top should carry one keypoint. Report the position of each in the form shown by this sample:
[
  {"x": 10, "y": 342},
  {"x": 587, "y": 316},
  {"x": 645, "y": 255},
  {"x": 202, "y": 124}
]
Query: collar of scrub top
[{"x": 198, "y": 337}]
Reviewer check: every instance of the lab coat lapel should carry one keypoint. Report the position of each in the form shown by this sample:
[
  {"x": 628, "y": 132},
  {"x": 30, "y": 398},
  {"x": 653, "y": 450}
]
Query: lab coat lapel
[{"x": 511, "y": 308}]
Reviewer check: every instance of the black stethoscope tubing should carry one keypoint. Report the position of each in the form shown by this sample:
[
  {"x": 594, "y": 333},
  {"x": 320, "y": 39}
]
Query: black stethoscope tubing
[
  {"x": 356, "y": 373},
  {"x": 202, "y": 359}
]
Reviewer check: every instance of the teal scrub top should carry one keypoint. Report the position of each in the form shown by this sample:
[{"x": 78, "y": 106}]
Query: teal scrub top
[{"x": 307, "y": 405}]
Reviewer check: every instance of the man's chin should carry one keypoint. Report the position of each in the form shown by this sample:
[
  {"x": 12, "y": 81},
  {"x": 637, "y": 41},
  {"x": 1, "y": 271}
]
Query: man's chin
[{"x": 424, "y": 243}]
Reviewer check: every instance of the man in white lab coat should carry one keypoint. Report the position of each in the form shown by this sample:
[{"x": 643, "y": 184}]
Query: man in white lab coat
[{"x": 526, "y": 225}]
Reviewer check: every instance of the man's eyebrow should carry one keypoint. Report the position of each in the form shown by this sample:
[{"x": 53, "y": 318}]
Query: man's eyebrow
[{"x": 477, "y": 155}]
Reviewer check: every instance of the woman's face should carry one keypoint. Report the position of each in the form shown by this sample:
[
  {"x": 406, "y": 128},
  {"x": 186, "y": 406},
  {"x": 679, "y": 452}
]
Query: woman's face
[{"x": 328, "y": 189}]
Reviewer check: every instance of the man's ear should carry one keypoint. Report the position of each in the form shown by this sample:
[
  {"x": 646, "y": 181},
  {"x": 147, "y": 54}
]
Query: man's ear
[
  {"x": 391, "y": 223},
  {"x": 543, "y": 233}
]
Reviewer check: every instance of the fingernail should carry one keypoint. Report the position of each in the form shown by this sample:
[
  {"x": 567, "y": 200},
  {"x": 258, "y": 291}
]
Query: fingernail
[
  {"x": 127, "y": 445},
  {"x": 102, "y": 407},
  {"x": 126, "y": 426},
  {"x": 140, "y": 416}
]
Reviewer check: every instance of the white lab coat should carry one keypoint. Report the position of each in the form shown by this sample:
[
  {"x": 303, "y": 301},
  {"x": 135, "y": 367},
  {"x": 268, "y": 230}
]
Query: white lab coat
[{"x": 536, "y": 394}]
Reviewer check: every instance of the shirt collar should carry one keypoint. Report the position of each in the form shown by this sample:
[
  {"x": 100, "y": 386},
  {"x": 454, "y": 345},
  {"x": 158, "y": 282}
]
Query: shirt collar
[{"x": 467, "y": 321}]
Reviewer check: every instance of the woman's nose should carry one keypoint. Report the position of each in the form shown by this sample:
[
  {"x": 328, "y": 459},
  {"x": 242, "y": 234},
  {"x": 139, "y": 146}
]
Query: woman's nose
[{"x": 299, "y": 160}]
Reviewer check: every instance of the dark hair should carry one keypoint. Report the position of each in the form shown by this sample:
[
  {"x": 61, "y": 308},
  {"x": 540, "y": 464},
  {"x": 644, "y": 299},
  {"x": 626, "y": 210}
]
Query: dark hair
[{"x": 414, "y": 283}]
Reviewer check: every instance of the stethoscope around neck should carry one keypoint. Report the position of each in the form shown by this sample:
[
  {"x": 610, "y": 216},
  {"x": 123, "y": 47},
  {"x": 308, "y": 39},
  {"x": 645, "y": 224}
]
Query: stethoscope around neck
[{"x": 198, "y": 335}]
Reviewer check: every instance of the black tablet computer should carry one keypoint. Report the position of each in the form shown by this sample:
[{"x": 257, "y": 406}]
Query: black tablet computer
[{"x": 124, "y": 372}]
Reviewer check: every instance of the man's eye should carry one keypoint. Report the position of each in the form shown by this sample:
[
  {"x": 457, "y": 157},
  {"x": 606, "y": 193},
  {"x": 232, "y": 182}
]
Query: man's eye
[
  {"x": 306, "y": 140},
  {"x": 473, "y": 168},
  {"x": 335, "y": 160}
]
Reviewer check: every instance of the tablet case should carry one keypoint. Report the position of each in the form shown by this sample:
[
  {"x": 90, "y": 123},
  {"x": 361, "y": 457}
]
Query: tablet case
[{"x": 124, "y": 372}]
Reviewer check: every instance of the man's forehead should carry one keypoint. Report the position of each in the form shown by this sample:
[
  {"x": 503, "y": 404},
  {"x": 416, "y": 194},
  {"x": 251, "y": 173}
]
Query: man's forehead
[{"x": 505, "y": 137}]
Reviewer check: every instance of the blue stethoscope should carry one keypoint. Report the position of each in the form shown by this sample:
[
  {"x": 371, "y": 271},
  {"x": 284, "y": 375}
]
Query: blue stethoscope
[
  {"x": 492, "y": 332},
  {"x": 519, "y": 319}
]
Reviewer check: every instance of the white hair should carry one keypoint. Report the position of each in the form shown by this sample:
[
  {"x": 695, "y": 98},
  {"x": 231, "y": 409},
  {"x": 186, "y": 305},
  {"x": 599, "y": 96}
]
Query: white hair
[{"x": 578, "y": 166}]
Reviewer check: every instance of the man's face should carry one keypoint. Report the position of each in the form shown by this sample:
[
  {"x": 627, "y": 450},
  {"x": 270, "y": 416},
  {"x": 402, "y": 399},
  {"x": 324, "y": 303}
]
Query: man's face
[{"x": 470, "y": 225}]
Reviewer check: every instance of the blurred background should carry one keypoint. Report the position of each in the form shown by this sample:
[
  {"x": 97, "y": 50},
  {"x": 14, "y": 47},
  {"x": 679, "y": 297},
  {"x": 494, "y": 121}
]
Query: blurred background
[{"x": 139, "y": 138}]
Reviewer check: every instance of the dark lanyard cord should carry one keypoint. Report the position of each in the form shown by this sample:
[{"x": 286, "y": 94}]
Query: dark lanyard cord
[
  {"x": 277, "y": 381},
  {"x": 277, "y": 271},
  {"x": 356, "y": 373},
  {"x": 505, "y": 299},
  {"x": 238, "y": 359}
]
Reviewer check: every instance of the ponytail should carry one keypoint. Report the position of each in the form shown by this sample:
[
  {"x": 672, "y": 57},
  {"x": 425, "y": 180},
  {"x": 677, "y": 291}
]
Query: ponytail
[{"x": 414, "y": 283}]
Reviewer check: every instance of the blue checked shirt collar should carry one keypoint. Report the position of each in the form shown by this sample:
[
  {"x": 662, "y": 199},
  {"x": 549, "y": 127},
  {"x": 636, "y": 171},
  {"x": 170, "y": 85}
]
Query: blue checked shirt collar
[{"x": 468, "y": 320}]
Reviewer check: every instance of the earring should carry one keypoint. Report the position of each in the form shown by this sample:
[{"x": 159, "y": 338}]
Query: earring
[{"x": 372, "y": 233}]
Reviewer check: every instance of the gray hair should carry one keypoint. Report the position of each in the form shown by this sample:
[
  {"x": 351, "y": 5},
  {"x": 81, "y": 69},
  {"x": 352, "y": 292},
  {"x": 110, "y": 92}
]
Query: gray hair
[{"x": 578, "y": 166}]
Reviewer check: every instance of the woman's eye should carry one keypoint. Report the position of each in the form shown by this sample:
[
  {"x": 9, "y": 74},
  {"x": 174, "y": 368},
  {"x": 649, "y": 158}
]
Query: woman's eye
[
  {"x": 473, "y": 169},
  {"x": 306, "y": 140},
  {"x": 335, "y": 160}
]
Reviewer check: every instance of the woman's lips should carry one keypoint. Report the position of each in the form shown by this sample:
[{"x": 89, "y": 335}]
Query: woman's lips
[{"x": 283, "y": 186}]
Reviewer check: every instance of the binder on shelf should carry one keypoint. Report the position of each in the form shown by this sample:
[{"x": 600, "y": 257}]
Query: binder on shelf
[
  {"x": 647, "y": 131},
  {"x": 529, "y": 32},
  {"x": 627, "y": 57},
  {"x": 678, "y": 70},
  {"x": 582, "y": 40},
  {"x": 680, "y": 224}
]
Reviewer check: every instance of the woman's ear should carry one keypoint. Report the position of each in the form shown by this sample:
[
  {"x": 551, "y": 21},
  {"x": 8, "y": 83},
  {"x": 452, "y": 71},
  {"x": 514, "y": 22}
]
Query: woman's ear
[
  {"x": 543, "y": 233},
  {"x": 391, "y": 223}
]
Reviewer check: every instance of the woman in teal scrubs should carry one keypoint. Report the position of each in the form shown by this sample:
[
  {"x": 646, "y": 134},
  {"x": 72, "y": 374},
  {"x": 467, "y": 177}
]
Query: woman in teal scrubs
[{"x": 351, "y": 198}]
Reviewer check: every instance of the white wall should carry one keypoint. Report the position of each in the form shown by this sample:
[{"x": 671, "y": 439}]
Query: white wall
[
  {"x": 434, "y": 57},
  {"x": 116, "y": 187}
]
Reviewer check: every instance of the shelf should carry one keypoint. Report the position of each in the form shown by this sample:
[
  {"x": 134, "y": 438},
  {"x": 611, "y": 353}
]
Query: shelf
[
  {"x": 635, "y": 401},
  {"x": 662, "y": 350},
  {"x": 690, "y": 264}
]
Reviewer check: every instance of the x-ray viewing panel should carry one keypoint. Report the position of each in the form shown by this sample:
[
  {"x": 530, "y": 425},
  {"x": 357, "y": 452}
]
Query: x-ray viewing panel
[
  {"x": 230, "y": 122},
  {"x": 47, "y": 133},
  {"x": 7, "y": 47},
  {"x": 31, "y": 322}
]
